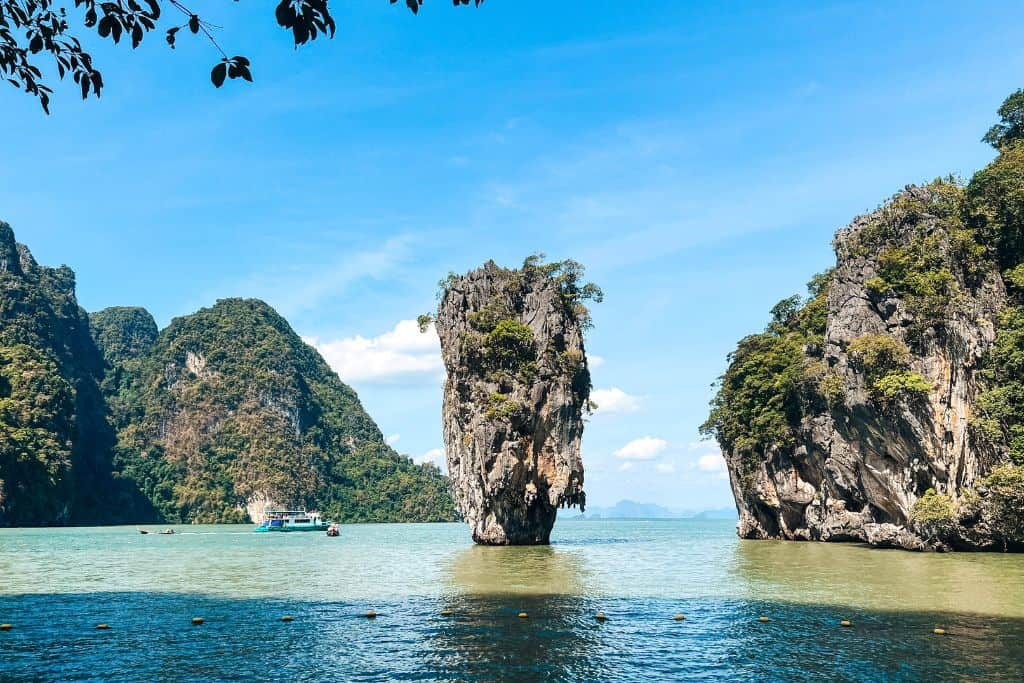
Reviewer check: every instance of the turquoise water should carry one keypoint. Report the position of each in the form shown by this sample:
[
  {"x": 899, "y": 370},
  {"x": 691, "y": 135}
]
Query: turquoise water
[{"x": 56, "y": 584}]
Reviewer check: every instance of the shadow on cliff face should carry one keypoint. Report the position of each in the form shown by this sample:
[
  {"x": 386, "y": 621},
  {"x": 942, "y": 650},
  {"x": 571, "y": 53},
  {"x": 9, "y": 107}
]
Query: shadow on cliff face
[{"x": 151, "y": 638}]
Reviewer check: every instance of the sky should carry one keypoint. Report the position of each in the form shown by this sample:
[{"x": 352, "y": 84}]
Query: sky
[{"x": 696, "y": 157}]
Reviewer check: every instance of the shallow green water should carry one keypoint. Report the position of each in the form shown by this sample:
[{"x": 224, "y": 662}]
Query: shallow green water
[{"x": 55, "y": 584}]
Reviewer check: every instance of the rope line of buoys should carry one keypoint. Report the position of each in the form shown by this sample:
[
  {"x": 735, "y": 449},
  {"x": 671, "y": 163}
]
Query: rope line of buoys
[{"x": 371, "y": 614}]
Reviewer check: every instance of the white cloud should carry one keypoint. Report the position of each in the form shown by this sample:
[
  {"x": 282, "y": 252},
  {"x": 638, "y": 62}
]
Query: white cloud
[
  {"x": 712, "y": 462},
  {"x": 393, "y": 439},
  {"x": 614, "y": 400},
  {"x": 595, "y": 361},
  {"x": 626, "y": 466},
  {"x": 434, "y": 455},
  {"x": 665, "y": 467},
  {"x": 644, "y": 448},
  {"x": 401, "y": 354}
]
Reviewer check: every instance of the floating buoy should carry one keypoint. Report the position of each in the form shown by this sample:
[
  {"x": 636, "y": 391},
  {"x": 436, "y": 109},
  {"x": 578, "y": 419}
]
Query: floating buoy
[
  {"x": 939, "y": 631},
  {"x": 287, "y": 617},
  {"x": 196, "y": 621},
  {"x": 523, "y": 615},
  {"x": 5, "y": 627},
  {"x": 371, "y": 614},
  {"x": 102, "y": 627},
  {"x": 763, "y": 620},
  {"x": 600, "y": 616},
  {"x": 846, "y": 622},
  {"x": 680, "y": 617},
  {"x": 446, "y": 613}
]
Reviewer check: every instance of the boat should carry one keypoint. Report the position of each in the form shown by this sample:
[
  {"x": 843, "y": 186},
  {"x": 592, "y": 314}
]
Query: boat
[
  {"x": 334, "y": 530},
  {"x": 291, "y": 520}
]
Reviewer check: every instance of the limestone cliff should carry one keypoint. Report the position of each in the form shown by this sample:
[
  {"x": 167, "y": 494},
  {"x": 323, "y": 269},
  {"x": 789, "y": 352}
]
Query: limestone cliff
[
  {"x": 518, "y": 385},
  {"x": 867, "y": 421}
]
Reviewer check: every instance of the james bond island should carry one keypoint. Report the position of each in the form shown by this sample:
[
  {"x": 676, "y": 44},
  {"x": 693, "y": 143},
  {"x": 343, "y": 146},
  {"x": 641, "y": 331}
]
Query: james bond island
[{"x": 518, "y": 386}]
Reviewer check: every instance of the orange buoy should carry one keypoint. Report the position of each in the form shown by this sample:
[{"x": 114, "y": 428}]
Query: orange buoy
[
  {"x": 5, "y": 627},
  {"x": 102, "y": 627},
  {"x": 523, "y": 615},
  {"x": 600, "y": 616},
  {"x": 939, "y": 631},
  {"x": 446, "y": 613},
  {"x": 846, "y": 622},
  {"x": 763, "y": 620},
  {"x": 287, "y": 617},
  {"x": 196, "y": 621},
  {"x": 371, "y": 614},
  {"x": 679, "y": 617}
]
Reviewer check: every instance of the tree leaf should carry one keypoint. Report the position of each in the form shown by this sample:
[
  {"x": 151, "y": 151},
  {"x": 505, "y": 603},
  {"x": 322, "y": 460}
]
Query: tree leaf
[{"x": 218, "y": 74}]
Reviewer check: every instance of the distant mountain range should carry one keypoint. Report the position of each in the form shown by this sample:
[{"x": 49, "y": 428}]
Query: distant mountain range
[{"x": 629, "y": 509}]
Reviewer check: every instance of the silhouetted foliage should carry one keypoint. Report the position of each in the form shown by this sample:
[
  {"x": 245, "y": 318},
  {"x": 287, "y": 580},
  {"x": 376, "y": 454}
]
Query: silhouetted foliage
[
  {"x": 33, "y": 29},
  {"x": 1011, "y": 125}
]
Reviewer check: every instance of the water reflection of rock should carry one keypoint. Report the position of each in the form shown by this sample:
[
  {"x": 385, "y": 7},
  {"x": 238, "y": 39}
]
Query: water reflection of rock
[
  {"x": 520, "y": 570},
  {"x": 484, "y": 639},
  {"x": 887, "y": 580}
]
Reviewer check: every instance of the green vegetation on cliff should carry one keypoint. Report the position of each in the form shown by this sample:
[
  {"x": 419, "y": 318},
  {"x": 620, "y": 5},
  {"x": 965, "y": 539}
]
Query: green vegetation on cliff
[
  {"x": 995, "y": 206},
  {"x": 230, "y": 407},
  {"x": 54, "y": 437},
  {"x": 770, "y": 382}
]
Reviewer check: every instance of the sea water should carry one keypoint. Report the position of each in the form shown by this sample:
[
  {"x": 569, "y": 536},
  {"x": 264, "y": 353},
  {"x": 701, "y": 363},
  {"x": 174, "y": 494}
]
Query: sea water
[{"x": 57, "y": 584}]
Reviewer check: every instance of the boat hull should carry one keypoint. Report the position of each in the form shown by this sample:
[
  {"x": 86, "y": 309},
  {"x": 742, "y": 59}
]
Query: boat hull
[{"x": 288, "y": 529}]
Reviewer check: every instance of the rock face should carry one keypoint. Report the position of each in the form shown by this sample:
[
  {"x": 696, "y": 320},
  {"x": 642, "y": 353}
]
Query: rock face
[
  {"x": 517, "y": 387},
  {"x": 855, "y": 468}
]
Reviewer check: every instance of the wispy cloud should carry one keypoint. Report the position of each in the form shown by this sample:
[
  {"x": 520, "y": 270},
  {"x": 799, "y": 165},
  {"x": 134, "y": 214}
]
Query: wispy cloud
[
  {"x": 306, "y": 286},
  {"x": 400, "y": 355}
]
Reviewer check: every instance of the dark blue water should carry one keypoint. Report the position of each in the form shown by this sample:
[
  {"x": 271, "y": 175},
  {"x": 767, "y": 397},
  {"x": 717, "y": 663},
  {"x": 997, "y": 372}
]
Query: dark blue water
[{"x": 152, "y": 638}]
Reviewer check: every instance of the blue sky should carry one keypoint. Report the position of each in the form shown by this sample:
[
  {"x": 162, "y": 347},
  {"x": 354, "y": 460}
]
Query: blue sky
[{"x": 697, "y": 157}]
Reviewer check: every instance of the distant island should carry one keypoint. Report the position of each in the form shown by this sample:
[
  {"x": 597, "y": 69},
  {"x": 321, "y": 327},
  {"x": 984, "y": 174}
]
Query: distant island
[
  {"x": 628, "y": 509},
  {"x": 105, "y": 419}
]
